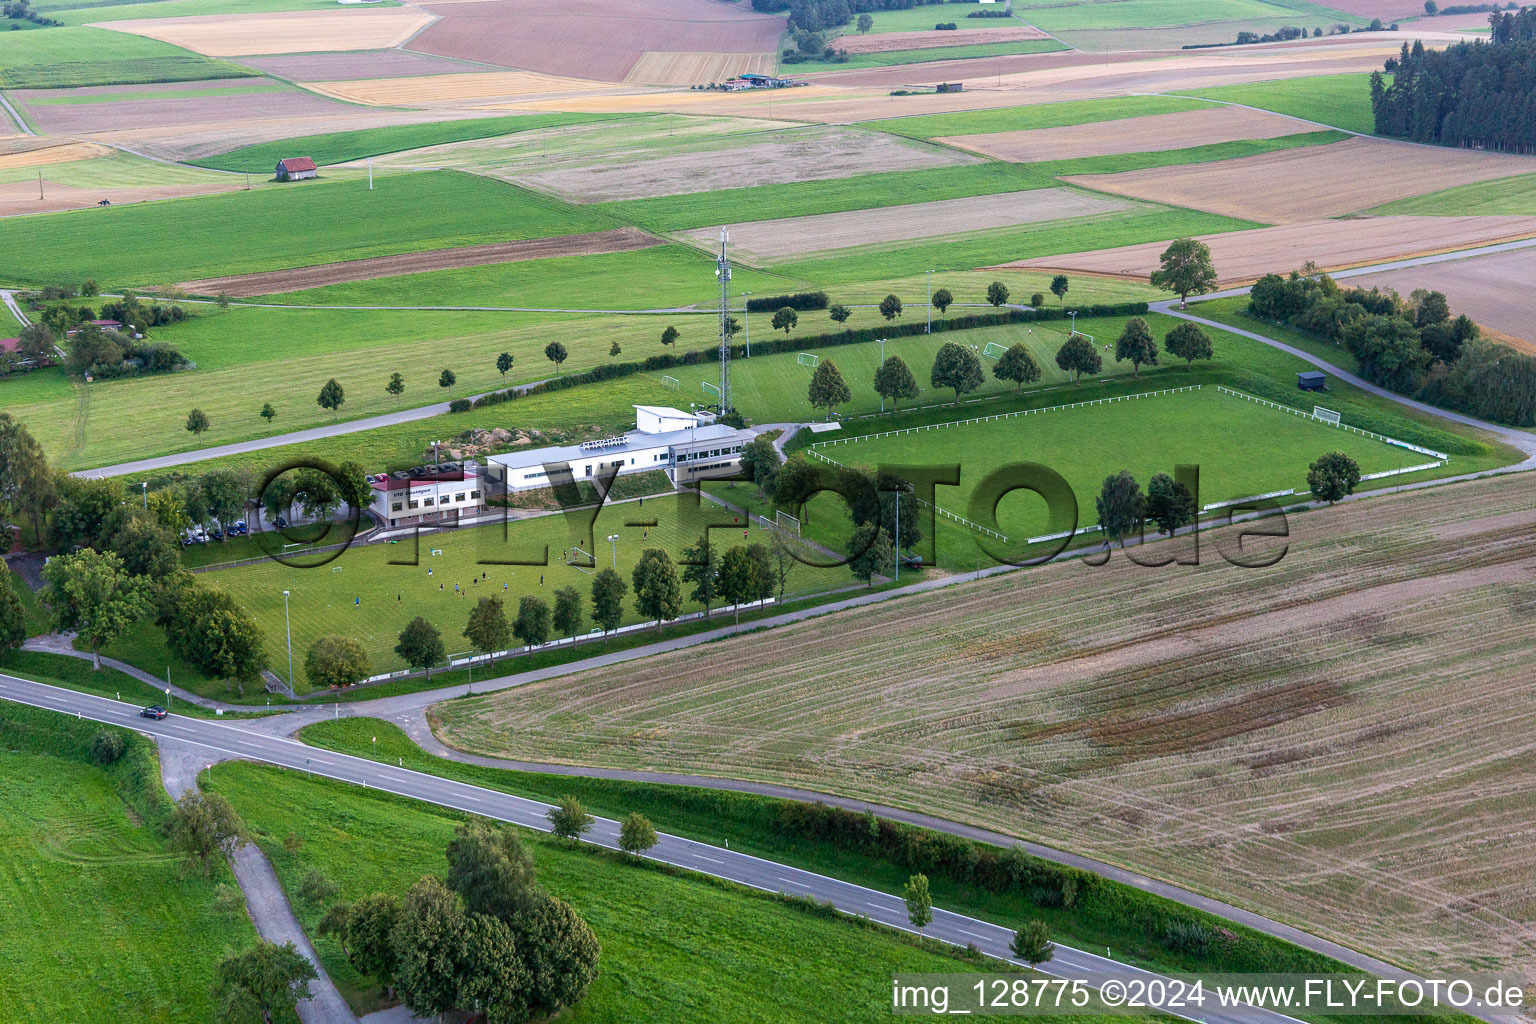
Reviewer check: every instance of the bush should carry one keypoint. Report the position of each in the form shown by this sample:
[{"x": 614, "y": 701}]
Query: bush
[
  {"x": 800, "y": 301},
  {"x": 317, "y": 887},
  {"x": 107, "y": 747},
  {"x": 460, "y": 405}
]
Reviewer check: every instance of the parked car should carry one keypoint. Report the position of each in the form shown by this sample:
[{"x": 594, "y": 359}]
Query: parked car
[
  {"x": 154, "y": 711},
  {"x": 240, "y": 529},
  {"x": 282, "y": 524},
  {"x": 218, "y": 534}
]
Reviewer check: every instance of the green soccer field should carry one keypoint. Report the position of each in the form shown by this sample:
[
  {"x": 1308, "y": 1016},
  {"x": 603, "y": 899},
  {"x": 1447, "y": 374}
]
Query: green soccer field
[
  {"x": 1242, "y": 449},
  {"x": 361, "y": 594}
]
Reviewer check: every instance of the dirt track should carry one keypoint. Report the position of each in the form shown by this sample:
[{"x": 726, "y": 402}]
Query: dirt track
[
  {"x": 1244, "y": 256},
  {"x": 274, "y": 281}
]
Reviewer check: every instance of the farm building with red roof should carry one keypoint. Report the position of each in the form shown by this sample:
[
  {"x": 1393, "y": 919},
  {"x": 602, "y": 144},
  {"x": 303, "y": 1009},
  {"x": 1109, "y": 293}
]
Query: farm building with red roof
[{"x": 296, "y": 168}]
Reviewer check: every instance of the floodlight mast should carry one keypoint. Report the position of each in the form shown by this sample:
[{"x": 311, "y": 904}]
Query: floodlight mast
[{"x": 723, "y": 272}]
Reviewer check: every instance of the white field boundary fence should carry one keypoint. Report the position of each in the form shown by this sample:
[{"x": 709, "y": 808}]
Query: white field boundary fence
[
  {"x": 464, "y": 659},
  {"x": 1342, "y": 426},
  {"x": 1398, "y": 472},
  {"x": 924, "y": 504},
  {"x": 1005, "y": 416},
  {"x": 1252, "y": 497}
]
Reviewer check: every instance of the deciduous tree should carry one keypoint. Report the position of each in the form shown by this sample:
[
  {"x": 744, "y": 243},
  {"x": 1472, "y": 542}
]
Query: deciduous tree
[
  {"x": 956, "y": 367},
  {"x": 919, "y": 901},
  {"x": 1333, "y": 477},
  {"x": 336, "y": 661},
  {"x": 568, "y": 819},
  {"x": 658, "y": 593},
  {"x": 1186, "y": 268},
  {"x": 1188, "y": 342},
  {"x": 608, "y": 589},
  {"x": 785, "y": 320},
  {"x": 262, "y": 983},
  {"x": 332, "y": 396},
  {"x": 669, "y": 336},
  {"x": 420, "y": 645},
  {"x": 942, "y": 300},
  {"x": 1137, "y": 344},
  {"x": 760, "y": 460},
  {"x": 636, "y": 833},
  {"x": 870, "y": 553},
  {"x": 447, "y": 379},
  {"x": 487, "y": 628},
  {"x": 997, "y": 293},
  {"x": 890, "y": 307},
  {"x": 701, "y": 567},
  {"x": 197, "y": 422},
  {"x": 740, "y": 578},
  {"x": 1120, "y": 505},
  {"x": 555, "y": 352},
  {"x": 894, "y": 380},
  {"x": 268, "y": 413},
  {"x": 839, "y": 313},
  {"x": 428, "y": 941},
  {"x": 569, "y": 615},
  {"x": 532, "y": 625},
  {"x": 92, "y": 594},
  {"x": 203, "y": 826},
  {"x": 1059, "y": 288},
  {"x": 1017, "y": 365},
  {"x": 396, "y": 385},
  {"x": 1169, "y": 503},
  {"x": 827, "y": 388},
  {"x": 1078, "y": 356},
  {"x": 504, "y": 363},
  {"x": 491, "y": 870},
  {"x": 1032, "y": 943}
]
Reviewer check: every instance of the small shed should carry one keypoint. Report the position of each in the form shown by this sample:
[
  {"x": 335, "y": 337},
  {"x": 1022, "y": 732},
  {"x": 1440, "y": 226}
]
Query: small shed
[
  {"x": 951, "y": 87},
  {"x": 296, "y": 168},
  {"x": 1312, "y": 380}
]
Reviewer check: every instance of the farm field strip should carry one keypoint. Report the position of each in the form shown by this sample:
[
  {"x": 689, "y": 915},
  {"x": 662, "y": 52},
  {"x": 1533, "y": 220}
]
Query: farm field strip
[
  {"x": 1262, "y": 735},
  {"x": 358, "y": 64},
  {"x": 80, "y": 57},
  {"x": 1481, "y": 287},
  {"x": 1059, "y": 114},
  {"x": 128, "y": 112},
  {"x": 20, "y": 199},
  {"x": 671, "y": 67},
  {"x": 459, "y": 87},
  {"x": 590, "y": 244},
  {"x": 647, "y": 158},
  {"x": 775, "y": 239},
  {"x": 1186, "y": 130},
  {"x": 1242, "y": 256},
  {"x": 234, "y": 35},
  {"x": 1515, "y": 195},
  {"x": 588, "y": 40},
  {"x": 1308, "y": 183},
  {"x": 880, "y": 42},
  {"x": 1342, "y": 101}
]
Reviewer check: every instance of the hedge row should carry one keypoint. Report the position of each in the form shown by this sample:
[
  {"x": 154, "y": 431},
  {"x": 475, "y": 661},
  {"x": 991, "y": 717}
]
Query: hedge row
[
  {"x": 667, "y": 360},
  {"x": 1092, "y": 898},
  {"x": 799, "y": 300}
]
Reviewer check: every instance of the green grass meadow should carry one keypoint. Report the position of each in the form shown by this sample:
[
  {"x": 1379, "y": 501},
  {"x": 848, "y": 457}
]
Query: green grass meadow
[
  {"x": 1504, "y": 196},
  {"x": 893, "y": 58},
  {"x": 148, "y": 244},
  {"x": 322, "y": 599},
  {"x": 1241, "y": 447},
  {"x": 1342, "y": 101},
  {"x": 674, "y": 946},
  {"x": 1035, "y": 115},
  {"x": 71, "y": 56},
  {"x": 99, "y": 921},
  {"x": 339, "y": 147}
]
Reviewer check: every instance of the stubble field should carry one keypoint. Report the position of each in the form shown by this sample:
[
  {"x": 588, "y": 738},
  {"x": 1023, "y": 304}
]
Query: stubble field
[
  {"x": 1242, "y": 256},
  {"x": 1184, "y": 130},
  {"x": 1489, "y": 289},
  {"x": 233, "y": 35},
  {"x": 1341, "y": 741},
  {"x": 1308, "y": 183}
]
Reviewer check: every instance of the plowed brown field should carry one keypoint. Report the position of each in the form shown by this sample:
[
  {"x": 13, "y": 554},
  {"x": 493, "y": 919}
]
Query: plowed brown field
[
  {"x": 589, "y": 39},
  {"x": 1244, "y": 256},
  {"x": 1342, "y": 741},
  {"x": 1312, "y": 182},
  {"x": 881, "y": 42},
  {"x": 1132, "y": 135},
  {"x": 1493, "y": 290},
  {"x": 274, "y": 281},
  {"x": 21, "y": 197}
]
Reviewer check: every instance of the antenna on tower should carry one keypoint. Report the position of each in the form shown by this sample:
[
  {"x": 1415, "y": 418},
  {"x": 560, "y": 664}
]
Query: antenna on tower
[{"x": 723, "y": 272}]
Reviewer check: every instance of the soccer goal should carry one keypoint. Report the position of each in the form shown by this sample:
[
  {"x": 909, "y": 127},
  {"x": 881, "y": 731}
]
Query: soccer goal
[
  {"x": 994, "y": 350},
  {"x": 709, "y": 389},
  {"x": 784, "y": 521},
  {"x": 335, "y": 568},
  {"x": 1326, "y": 415},
  {"x": 1081, "y": 334},
  {"x": 436, "y": 552},
  {"x": 810, "y": 359},
  {"x": 672, "y": 383},
  {"x": 582, "y": 561}
]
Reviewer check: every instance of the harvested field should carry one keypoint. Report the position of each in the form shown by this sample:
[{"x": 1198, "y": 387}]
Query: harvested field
[
  {"x": 778, "y": 239},
  {"x": 1181, "y": 130},
  {"x": 1309, "y": 183},
  {"x": 1386, "y": 10},
  {"x": 671, "y": 68},
  {"x": 234, "y": 35},
  {"x": 1244, "y": 256},
  {"x": 589, "y": 39},
  {"x": 20, "y": 198},
  {"x": 276, "y": 281},
  {"x": 882, "y": 42},
  {"x": 56, "y": 153},
  {"x": 338, "y": 67},
  {"x": 1342, "y": 741},
  {"x": 125, "y": 113},
  {"x": 645, "y": 168},
  {"x": 455, "y": 88},
  {"x": 1493, "y": 290}
]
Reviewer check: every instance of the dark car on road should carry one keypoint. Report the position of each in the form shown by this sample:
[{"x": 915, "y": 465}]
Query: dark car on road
[{"x": 154, "y": 711}]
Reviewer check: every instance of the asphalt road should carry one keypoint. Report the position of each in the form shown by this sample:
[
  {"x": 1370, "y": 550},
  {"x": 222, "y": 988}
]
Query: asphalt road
[{"x": 225, "y": 740}]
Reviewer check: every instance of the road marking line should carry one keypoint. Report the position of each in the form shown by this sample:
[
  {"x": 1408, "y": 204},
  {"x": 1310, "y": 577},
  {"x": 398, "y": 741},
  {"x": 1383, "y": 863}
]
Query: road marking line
[
  {"x": 973, "y": 935},
  {"x": 712, "y": 860}
]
